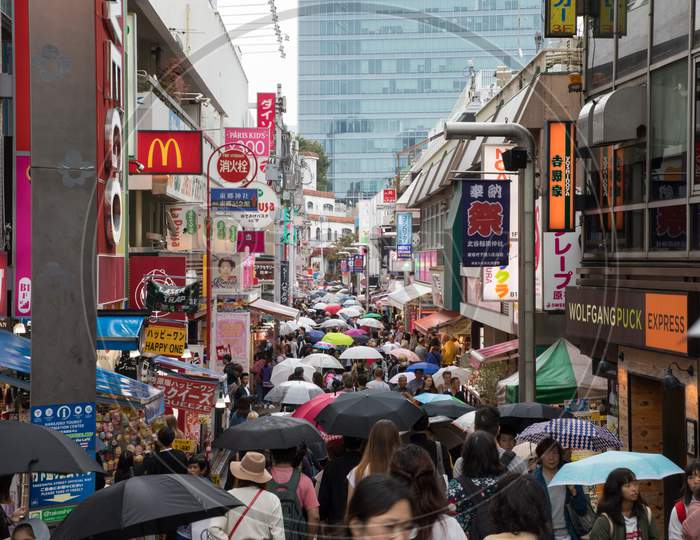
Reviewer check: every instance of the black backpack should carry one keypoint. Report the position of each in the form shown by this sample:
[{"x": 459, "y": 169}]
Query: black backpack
[
  {"x": 481, "y": 524},
  {"x": 294, "y": 520}
]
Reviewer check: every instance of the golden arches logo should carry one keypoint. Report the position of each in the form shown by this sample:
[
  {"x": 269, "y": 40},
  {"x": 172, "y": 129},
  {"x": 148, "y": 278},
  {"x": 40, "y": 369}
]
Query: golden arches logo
[{"x": 164, "y": 150}]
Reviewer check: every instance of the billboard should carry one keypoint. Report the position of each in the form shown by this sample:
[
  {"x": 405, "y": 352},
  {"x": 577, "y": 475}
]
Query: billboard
[
  {"x": 561, "y": 176},
  {"x": 169, "y": 152},
  {"x": 486, "y": 217},
  {"x": 404, "y": 235}
]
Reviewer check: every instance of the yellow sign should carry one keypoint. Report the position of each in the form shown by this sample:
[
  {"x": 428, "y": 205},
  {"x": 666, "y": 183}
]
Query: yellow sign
[
  {"x": 164, "y": 148},
  {"x": 605, "y": 22},
  {"x": 165, "y": 340},
  {"x": 187, "y": 446},
  {"x": 560, "y": 18}
]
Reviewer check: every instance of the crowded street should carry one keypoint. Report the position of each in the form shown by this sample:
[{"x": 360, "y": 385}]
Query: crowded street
[{"x": 322, "y": 269}]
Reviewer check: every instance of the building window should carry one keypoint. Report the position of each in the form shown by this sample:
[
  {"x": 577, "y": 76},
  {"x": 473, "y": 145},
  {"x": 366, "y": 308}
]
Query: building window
[
  {"x": 318, "y": 234},
  {"x": 670, "y": 33},
  {"x": 634, "y": 42},
  {"x": 335, "y": 236},
  {"x": 347, "y": 232},
  {"x": 668, "y": 228},
  {"x": 328, "y": 235},
  {"x": 328, "y": 207},
  {"x": 309, "y": 205}
]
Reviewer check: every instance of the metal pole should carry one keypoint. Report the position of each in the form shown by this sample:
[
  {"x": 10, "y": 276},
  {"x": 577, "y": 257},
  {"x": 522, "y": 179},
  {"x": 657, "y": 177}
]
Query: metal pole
[{"x": 526, "y": 240}]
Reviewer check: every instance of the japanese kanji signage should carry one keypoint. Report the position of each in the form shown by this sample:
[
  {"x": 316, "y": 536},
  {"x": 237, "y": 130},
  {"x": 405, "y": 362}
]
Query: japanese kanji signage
[
  {"x": 561, "y": 256},
  {"x": 284, "y": 283},
  {"x": 265, "y": 270},
  {"x": 404, "y": 235},
  {"x": 389, "y": 196},
  {"x": 189, "y": 394},
  {"x": 170, "y": 152},
  {"x": 560, "y": 18},
  {"x": 266, "y": 114},
  {"x": 165, "y": 340},
  {"x": 561, "y": 176},
  {"x": 494, "y": 169},
  {"x": 234, "y": 200},
  {"x": 500, "y": 283},
  {"x": 358, "y": 263},
  {"x": 486, "y": 222},
  {"x": 237, "y": 164}
]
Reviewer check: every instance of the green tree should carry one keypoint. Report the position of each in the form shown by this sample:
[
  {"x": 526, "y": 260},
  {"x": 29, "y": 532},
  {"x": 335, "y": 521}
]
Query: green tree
[{"x": 308, "y": 145}]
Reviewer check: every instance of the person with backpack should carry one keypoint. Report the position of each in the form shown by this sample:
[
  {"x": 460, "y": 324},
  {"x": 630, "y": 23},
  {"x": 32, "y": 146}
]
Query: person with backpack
[
  {"x": 300, "y": 506},
  {"x": 622, "y": 512},
  {"x": 561, "y": 500},
  {"x": 680, "y": 509},
  {"x": 468, "y": 494}
]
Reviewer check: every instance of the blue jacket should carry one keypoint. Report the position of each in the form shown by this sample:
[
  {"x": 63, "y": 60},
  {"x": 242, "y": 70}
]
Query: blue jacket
[{"x": 578, "y": 503}]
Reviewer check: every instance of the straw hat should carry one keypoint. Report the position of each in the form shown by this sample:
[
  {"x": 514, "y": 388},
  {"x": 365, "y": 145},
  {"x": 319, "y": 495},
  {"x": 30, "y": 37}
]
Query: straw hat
[{"x": 251, "y": 468}]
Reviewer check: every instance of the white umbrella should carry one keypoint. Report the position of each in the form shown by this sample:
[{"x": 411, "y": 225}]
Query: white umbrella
[
  {"x": 322, "y": 361},
  {"x": 344, "y": 291},
  {"x": 293, "y": 393},
  {"x": 371, "y": 323},
  {"x": 350, "y": 312},
  {"x": 351, "y": 302},
  {"x": 361, "y": 353},
  {"x": 282, "y": 371},
  {"x": 408, "y": 374},
  {"x": 333, "y": 323},
  {"x": 466, "y": 422},
  {"x": 330, "y": 299},
  {"x": 525, "y": 451},
  {"x": 288, "y": 327},
  {"x": 388, "y": 347},
  {"x": 306, "y": 322},
  {"x": 461, "y": 373},
  {"x": 319, "y": 306}
]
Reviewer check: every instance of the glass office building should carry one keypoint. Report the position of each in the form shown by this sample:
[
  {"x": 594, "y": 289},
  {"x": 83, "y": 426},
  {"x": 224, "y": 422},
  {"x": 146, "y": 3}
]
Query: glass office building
[{"x": 374, "y": 77}]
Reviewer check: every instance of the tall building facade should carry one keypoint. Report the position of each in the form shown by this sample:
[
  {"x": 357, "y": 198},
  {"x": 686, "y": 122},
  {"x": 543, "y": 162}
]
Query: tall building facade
[{"x": 375, "y": 77}]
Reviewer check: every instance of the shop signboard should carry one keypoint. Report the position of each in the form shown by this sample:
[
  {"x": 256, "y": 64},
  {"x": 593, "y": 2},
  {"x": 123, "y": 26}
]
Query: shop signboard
[
  {"x": 264, "y": 271},
  {"x": 358, "y": 263},
  {"x": 256, "y": 139},
  {"x": 184, "y": 393},
  {"x": 237, "y": 164},
  {"x": 231, "y": 335},
  {"x": 169, "y": 152},
  {"x": 186, "y": 231},
  {"x": 234, "y": 200},
  {"x": 560, "y": 18},
  {"x": 486, "y": 222},
  {"x": 500, "y": 283},
  {"x": 389, "y": 196},
  {"x": 652, "y": 320},
  {"x": 161, "y": 270},
  {"x": 188, "y": 446},
  {"x": 343, "y": 266},
  {"x": 560, "y": 258},
  {"x": 494, "y": 169},
  {"x": 250, "y": 242},
  {"x": 164, "y": 340},
  {"x": 227, "y": 273},
  {"x": 160, "y": 297},
  {"x": 23, "y": 239},
  {"x": 266, "y": 114},
  {"x": 561, "y": 176},
  {"x": 268, "y": 203},
  {"x": 224, "y": 233},
  {"x": 404, "y": 235},
  {"x": 604, "y": 21},
  {"x": 437, "y": 286},
  {"x": 284, "y": 282},
  {"x": 47, "y": 490}
]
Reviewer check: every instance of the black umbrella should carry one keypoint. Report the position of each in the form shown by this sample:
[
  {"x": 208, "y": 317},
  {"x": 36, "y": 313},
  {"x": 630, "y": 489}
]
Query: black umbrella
[
  {"x": 451, "y": 408},
  {"x": 34, "y": 448},
  {"x": 518, "y": 416},
  {"x": 268, "y": 433},
  {"x": 361, "y": 340},
  {"x": 145, "y": 505},
  {"x": 354, "y": 413}
]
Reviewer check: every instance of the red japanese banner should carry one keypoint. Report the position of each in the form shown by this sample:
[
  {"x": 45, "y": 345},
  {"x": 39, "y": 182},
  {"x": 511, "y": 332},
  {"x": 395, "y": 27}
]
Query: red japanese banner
[
  {"x": 192, "y": 395},
  {"x": 266, "y": 114}
]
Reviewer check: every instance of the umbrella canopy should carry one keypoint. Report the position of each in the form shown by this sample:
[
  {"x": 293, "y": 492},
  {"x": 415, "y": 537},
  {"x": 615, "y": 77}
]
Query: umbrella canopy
[
  {"x": 288, "y": 327},
  {"x": 319, "y": 306},
  {"x": 466, "y": 422},
  {"x": 408, "y": 374},
  {"x": 330, "y": 298},
  {"x": 322, "y": 361},
  {"x": 350, "y": 312},
  {"x": 127, "y": 509},
  {"x": 405, "y": 354},
  {"x": 333, "y": 323},
  {"x": 388, "y": 347},
  {"x": 361, "y": 339},
  {"x": 282, "y": 371},
  {"x": 323, "y": 346},
  {"x": 314, "y": 335},
  {"x": 371, "y": 316},
  {"x": 333, "y": 308},
  {"x": 525, "y": 451},
  {"x": 428, "y": 397},
  {"x": 371, "y": 323},
  {"x": 268, "y": 433},
  {"x": 351, "y": 302},
  {"x": 594, "y": 470},
  {"x": 353, "y": 414},
  {"x": 451, "y": 408},
  {"x": 293, "y": 393},
  {"x": 354, "y": 332},
  {"x": 427, "y": 367},
  {"x": 34, "y": 448},
  {"x": 461, "y": 373},
  {"x": 306, "y": 321},
  {"x": 361, "y": 353},
  {"x": 309, "y": 410},
  {"x": 337, "y": 338},
  {"x": 445, "y": 432},
  {"x": 532, "y": 411},
  {"x": 572, "y": 433}
]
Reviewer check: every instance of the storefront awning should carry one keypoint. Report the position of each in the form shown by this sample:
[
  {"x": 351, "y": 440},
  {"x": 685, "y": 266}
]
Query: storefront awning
[
  {"x": 404, "y": 295},
  {"x": 479, "y": 357},
  {"x": 437, "y": 320},
  {"x": 119, "y": 332},
  {"x": 275, "y": 310},
  {"x": 187, "y": 369},
  {"x": 15, "y": 355}
]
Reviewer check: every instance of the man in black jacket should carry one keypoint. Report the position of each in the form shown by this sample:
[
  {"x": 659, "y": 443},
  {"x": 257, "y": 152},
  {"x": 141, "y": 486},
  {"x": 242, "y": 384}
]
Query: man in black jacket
[
  {"x": 437, "y": 451},
  {"x": 168, "y": 460},
  {"x": 333, "y": 493}
]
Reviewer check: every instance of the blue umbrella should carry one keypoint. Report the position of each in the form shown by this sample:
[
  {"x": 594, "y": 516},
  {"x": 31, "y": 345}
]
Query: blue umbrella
[
  {"x": 427, "y": 367},
  {"x": 595, "y": 469},
  {"x": 314, "y": 335},
  {"x": 427, "y": 397}
]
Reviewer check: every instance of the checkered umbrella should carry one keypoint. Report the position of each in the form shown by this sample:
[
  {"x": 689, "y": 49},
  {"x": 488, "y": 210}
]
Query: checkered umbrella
[{"x": 571, "y": 433}]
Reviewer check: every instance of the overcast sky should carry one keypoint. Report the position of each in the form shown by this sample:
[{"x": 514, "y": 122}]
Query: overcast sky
[{"x": 261, "y": 57}]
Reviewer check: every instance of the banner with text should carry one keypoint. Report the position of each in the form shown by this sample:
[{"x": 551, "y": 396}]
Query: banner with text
[{"x": 485, "y": 208}]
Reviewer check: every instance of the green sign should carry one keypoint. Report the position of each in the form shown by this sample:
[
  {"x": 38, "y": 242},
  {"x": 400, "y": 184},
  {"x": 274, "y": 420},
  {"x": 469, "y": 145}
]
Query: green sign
[{"x": 52, "y": 515}]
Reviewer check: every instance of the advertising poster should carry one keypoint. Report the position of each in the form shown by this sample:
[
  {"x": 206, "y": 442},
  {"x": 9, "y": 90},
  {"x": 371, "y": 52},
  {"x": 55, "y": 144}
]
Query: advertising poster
[
  {"x": 257, "y": 140},
  {"x": 404, "y": 235},
  {"x": 224, "y": 234},
  {"x": 227, "y": 273},
  {"x": 500, "y": 283},
  {"x": 561, "y": 257},
  {"x": 486, "y": 222},
  {"x": 186, "y": 228},
  {"x": 231, "y": 336}
]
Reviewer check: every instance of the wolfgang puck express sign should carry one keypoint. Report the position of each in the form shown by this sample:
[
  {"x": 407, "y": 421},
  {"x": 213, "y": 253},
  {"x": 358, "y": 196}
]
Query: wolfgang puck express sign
[{"x": 628, "y": 317}]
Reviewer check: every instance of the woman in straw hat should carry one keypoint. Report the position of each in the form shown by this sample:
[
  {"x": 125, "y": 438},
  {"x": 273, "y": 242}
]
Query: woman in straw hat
[{"x": 261, "y": 517}]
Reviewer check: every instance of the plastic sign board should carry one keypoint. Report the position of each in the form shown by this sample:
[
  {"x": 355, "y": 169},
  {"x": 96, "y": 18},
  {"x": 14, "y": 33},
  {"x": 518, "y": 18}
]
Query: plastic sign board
[
  {"x": 185, "y": 445},
  {"x": 256, "y": 139},
  {"x": 183, "y": 393},
  {"x": 494, "y": 169},
  {"x": 404, "y": 235},
  {"x": 170, "y": 152},
  {"x": 268, "y": 203},
  {"x": 561, "y": 255},
  {"x": 389, "y": 196},
  {"x": 485, "y": 210},
  {"x": 560, "y": 18},
  {"x": 165, "y": 340},
  {"x": 561, "y": 176},
  {"x": 234, "y": 200},
  {"x": 78, "y": 422},
  {"x": 500, "y": 283},
  {"x": 267, "y": 107},
  {"x": 237, "y": 164}
]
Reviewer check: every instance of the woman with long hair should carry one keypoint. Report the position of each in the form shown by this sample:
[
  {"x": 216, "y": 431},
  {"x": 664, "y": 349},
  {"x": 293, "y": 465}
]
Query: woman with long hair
[
  {"x": 622, "y": 512},
  {"x": 518, "y": 510},
  {"x": 414, "y": 467},
  {"x": 383, "y": 440},
  {"x": 428, "y": 386},
  {"x": 680, "y": 509},
  {"x": 125, "y": 466}
]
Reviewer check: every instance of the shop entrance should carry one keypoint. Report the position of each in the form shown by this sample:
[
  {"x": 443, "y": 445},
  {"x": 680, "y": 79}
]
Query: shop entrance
[{"x": 657, "y": 424}]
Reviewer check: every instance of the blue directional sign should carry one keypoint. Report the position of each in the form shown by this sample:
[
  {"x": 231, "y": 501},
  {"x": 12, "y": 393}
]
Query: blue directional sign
[
  {"x": 404, "y": 235},
  {"x": 234, "y": 200},
  {"x": 77, "y": 421}
]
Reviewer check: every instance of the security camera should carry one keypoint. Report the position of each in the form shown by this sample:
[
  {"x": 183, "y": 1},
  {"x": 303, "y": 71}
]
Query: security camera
[{"x": 139, "y": 166}]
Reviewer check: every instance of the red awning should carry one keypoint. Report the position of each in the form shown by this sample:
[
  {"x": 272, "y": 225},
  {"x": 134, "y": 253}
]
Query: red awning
[
  {"x": 481, "y": 356},
  {"x": 436, "y": 320}
]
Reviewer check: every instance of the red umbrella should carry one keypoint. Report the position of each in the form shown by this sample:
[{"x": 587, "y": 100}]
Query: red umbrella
[
  {"x": 311, "y": 408},
  {"x": 333, "y": 309}
]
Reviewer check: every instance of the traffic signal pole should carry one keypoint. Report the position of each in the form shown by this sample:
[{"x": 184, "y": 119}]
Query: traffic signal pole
[{"x": 526, "y": 239}]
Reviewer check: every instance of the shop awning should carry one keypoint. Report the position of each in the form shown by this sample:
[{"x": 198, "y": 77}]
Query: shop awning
[
  {"x": 404, "y": 295},
  {"x": 118, "y": 332},
  {"x": 187, "y": 369},
  {"x": 15, "y": 355},
  {"x": 480, "y": 356},
  {"x": 275, "y": 310},
  {"x": 437, "y": 320}
]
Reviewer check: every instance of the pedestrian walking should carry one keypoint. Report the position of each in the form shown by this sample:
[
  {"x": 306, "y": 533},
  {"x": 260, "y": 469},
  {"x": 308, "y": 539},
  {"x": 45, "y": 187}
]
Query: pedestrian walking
[
  {"x": 243, "y": 390},
  {"x": 198, "y": 465},
  {"x": 31, "y": 529},
  {"x": 416, "y": 384},
  {"x": 680, "y": 509},
  {"x": 449, "y": 350},
  {"x": 378, "y": 382},
  {"x": 434, "y": 356},
  {"x": 10, "y": 513},
  {"x": 240, "y": 412},
  {"x": 518, "y": 510},
  {"x": 333, "y": 491},
  {"x": 421, "y": 436},
  {"x": 125, "y": 466},
  {"x": 383, "y": 440},
  {"x": 428, "y": 386},
  {"x": 167, "y": 460},
  {"x": 402, "y": 384},
  {"x": 421, "y": 350}
]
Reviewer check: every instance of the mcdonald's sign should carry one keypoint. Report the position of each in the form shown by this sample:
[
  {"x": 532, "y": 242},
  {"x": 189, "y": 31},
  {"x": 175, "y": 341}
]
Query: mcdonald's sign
[{"x": 170, "y": 152}]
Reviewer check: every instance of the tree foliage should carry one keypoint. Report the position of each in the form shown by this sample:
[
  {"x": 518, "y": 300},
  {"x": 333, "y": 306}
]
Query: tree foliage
[{"x": 308, "y": 145}]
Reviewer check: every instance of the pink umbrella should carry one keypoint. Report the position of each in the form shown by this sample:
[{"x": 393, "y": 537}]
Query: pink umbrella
[
  {"x": 311, "y": 408},
  {"x": 354, "y": 332},
  {"x": 406, "y": 355},
  {"x": 333, "y": 309}
]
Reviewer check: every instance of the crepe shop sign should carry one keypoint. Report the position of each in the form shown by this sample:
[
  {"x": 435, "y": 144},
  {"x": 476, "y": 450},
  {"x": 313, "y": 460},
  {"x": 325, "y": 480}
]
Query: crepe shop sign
[{"x": 189, "y": 394}]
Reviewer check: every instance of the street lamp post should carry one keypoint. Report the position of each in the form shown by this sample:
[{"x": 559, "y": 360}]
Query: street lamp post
[
  {"x": 526, "y": 239},
  {"x": 366, "y": 265}
]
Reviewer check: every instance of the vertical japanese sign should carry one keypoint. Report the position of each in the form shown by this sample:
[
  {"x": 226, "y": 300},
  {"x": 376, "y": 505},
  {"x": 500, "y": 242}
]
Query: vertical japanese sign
[
  {"x": 404, "y": 235},
  {"x": 231, "y": 335},
  {"x": 284, "y": 283},
  {"x": 562, "y": 254},
  {"x": 343, "y": 266},
  {"x": 561, "y": 176},
  {"x": 266, "y": 114},
  {"x": 560, "y": 18},
  {"x": 23, "y": 238},
  {"x": 485, "y": 210},
  {"x": 358, "y": 264},
  {"x": 494, "y": 169},
  {"x": 500, "y": 283}
]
